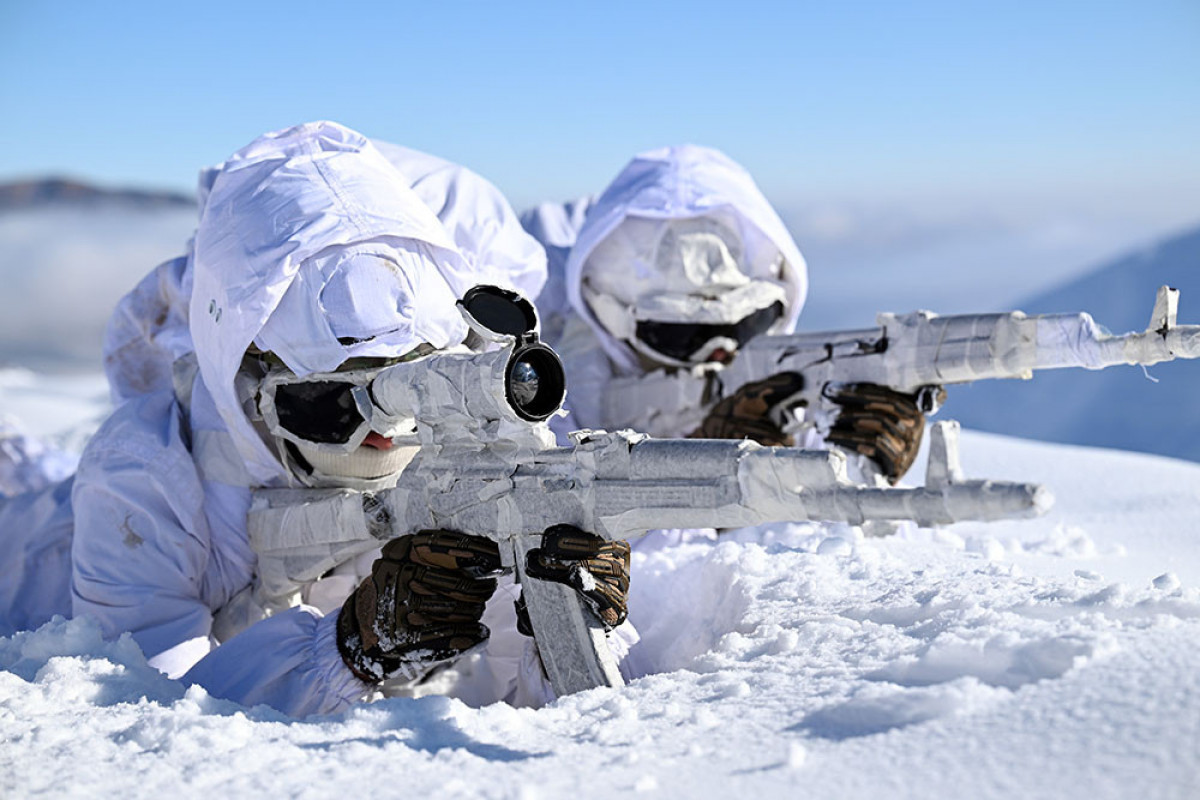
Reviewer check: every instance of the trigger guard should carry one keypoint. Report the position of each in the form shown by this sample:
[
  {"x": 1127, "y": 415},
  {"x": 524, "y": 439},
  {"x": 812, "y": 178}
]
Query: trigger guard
[
  {"x": 789, "y": 413},
  {"x": 930, "y": 399}
]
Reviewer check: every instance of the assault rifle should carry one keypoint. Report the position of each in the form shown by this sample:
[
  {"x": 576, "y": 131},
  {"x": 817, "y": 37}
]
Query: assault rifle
[
  {"x": 912, "y": 353},
  {"x": 489, "y": 465}
]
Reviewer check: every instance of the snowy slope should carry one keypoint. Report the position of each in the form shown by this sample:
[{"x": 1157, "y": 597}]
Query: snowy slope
[
  {"x": 1119, "y": 407},
  {"x": 1045, "y": 658},
  {"x": 62, "y": 408}
]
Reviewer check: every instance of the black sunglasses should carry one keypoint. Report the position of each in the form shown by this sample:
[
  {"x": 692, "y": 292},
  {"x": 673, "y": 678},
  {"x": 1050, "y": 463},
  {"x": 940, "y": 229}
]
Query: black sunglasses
[
  {"x": 319, "y": 411},
  {"x": 681, "y": 340}
]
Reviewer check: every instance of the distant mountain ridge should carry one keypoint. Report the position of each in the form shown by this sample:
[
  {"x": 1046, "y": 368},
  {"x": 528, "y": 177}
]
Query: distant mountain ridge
[
  {"x": 1153, "y": 410},
  {"x": 59, "y": 191}
]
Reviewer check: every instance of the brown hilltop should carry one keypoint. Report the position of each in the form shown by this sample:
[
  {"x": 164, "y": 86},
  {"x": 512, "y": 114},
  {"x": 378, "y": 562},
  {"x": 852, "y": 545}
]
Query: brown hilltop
[{"x": 60, "y": 191}]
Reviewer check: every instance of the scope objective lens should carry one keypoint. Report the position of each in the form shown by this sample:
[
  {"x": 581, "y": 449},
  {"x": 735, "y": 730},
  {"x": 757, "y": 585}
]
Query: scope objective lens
[
  {"x": 535, "y": 384},
  {"x": 524, "y": 383}
]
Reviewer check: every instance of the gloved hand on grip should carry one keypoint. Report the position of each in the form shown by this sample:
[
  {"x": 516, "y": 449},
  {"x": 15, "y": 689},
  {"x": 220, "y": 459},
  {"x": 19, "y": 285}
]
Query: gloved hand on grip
[
  {"x": 880, "y": 423},
  {"x": 596, "y": 568},
  {"x": 420, "y": 606},
  {"x": 746, "y": 414}
]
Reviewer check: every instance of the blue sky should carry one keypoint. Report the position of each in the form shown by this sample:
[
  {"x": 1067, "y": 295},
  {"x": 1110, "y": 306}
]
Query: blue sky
[{"x": 929, "y": 102}]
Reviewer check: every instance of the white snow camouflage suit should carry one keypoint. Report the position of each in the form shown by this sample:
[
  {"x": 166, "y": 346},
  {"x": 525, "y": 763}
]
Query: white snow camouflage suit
[
  {"x": 608, "y": 387},
  {"x": 150, "y": 537}
]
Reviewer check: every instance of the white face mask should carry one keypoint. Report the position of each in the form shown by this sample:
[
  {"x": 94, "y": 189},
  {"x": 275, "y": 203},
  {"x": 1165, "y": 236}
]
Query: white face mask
[
  {"x": 685, "y": 271},
  {"x": 366, "y": 462},
  {"x": 329, "y": 421}
]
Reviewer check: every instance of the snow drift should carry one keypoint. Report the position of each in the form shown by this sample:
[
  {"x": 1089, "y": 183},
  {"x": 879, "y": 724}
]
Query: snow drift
[
  {"x": 1051, "y": 657},
  {"x": 1045, "y": 658}
]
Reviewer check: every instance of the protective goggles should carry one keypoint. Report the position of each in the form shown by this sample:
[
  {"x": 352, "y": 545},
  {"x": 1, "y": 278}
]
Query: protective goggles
[
  {"x": 688, "y": 341},
  {"x": 330, "y": 410}
]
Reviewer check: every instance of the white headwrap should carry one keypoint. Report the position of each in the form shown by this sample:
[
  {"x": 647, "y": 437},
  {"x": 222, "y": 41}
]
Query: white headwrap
[
  {"x": 312, "y": 245},
  {"x": 682, "y": 234}
]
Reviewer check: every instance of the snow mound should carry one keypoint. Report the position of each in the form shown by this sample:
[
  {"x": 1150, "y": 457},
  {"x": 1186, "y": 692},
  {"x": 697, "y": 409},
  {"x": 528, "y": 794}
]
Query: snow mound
[
  {"x": 1049, "y": 657},
  {"x": 71, "y": 660}
]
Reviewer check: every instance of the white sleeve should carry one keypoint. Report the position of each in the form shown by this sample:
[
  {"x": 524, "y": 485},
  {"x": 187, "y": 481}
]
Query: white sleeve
[
  {"x": 143, "y": 562},
  {"x": 141, "y": 543},
  {"x": 289, "y": 661}
]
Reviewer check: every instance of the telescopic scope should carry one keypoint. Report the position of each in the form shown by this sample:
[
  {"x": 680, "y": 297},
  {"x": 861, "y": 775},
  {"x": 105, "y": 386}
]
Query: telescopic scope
[{"x": 534, "y": 383}]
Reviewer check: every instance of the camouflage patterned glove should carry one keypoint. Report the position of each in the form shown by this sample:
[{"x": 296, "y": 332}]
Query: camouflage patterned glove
[
  {"x": 882, "y": 424},
  {"x": 421, "y": 605},
  {"x": 746, "y": 413},
  {"x": 596, "y": 568}
]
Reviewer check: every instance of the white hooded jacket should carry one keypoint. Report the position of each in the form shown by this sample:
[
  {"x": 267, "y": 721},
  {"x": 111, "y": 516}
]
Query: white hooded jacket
[
  {"x": 607, "y": 386},
  {"x": 317, "y": 222}
]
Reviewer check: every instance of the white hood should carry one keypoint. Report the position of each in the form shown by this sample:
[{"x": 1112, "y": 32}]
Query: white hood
[
  {"x": 315, "y": 223},
  {"x": 675, "y": 183},
  {"x": 149, "y": 329}
]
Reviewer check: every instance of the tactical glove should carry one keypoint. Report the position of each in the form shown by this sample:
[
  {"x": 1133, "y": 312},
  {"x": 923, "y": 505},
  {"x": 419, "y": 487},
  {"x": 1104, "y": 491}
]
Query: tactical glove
[
  {"x": 421, "y": 605},
  {"x": 746, "y": 414},
  {"x": 596, "y": 568},
  {"x": 880, "y": 423}
]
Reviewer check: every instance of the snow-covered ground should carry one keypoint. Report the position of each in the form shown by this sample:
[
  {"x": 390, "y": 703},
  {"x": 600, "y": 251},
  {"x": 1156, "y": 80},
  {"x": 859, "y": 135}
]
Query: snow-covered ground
[
  {"x": 52, "y": 406},
  {"x": 1052, "y": 657}
]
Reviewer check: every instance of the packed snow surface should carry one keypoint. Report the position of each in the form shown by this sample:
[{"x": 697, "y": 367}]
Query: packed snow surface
[{"x": 1052, "y": 657}]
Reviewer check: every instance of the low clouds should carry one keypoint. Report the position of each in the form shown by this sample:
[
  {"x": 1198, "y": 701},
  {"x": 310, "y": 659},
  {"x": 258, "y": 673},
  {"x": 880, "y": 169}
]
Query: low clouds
[
  {"x": 961, "y": 256},
  {"x": 63, "y": 270}
]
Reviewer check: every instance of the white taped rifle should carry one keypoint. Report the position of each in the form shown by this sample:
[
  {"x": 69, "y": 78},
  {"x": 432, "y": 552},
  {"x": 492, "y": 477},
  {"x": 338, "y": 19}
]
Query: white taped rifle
[{"x": 489, "y": 466}]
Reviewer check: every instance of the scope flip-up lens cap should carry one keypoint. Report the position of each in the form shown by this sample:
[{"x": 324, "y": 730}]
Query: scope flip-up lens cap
[{"x": 500, "y": 310}]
